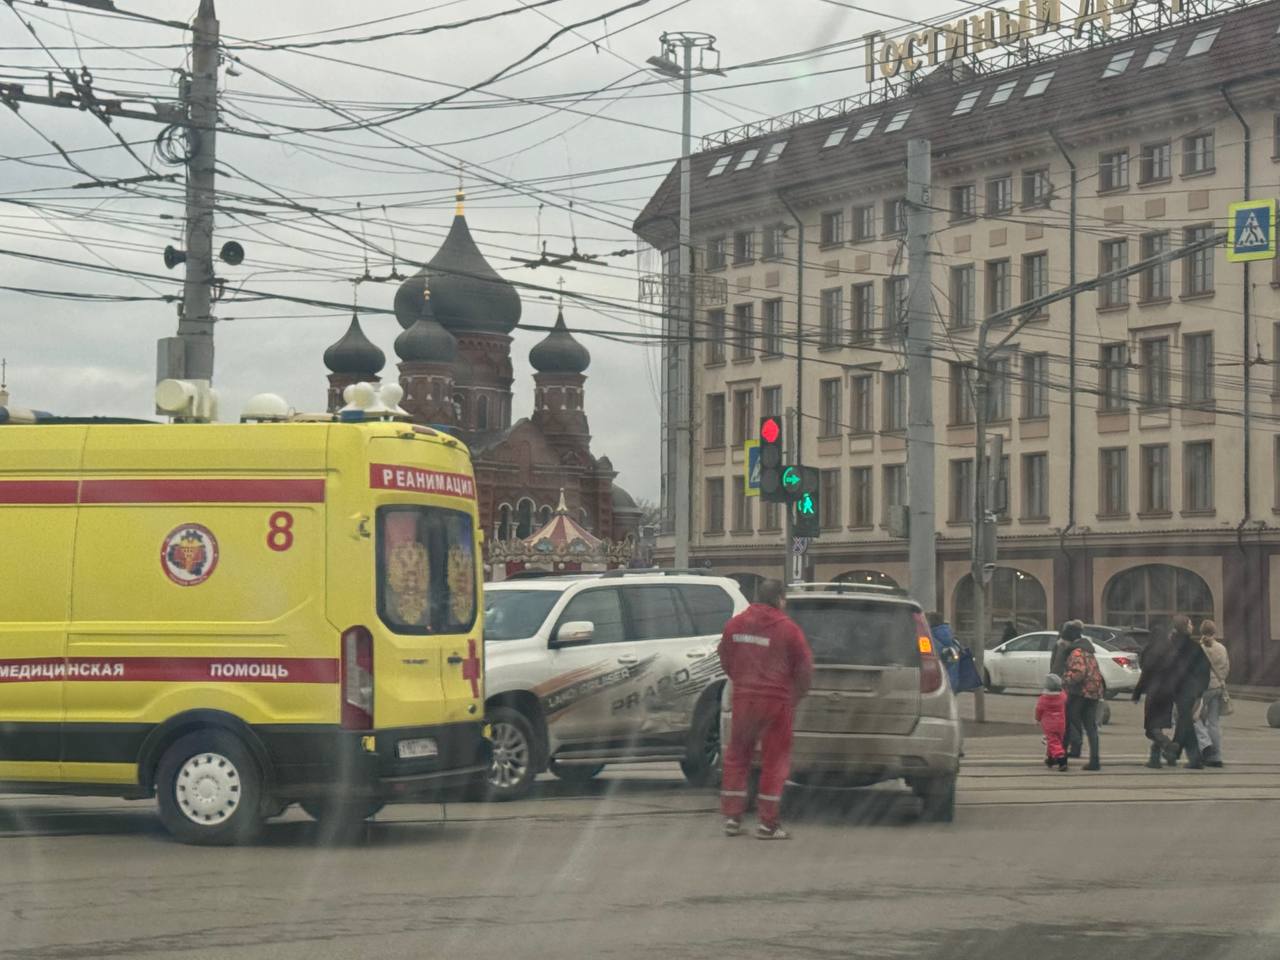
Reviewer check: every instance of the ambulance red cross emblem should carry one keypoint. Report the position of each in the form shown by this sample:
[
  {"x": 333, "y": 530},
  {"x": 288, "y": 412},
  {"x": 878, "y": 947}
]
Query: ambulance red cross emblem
[{"x": 471, "y": 669}]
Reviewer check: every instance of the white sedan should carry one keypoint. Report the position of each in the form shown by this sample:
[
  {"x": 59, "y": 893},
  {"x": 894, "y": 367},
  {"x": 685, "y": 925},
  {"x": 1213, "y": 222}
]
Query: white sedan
[{"x": 1023, "y": 662}]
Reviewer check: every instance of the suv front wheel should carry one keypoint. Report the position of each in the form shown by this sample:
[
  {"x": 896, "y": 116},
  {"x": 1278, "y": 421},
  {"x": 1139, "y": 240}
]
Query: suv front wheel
[{"x": 515, "y": 765}]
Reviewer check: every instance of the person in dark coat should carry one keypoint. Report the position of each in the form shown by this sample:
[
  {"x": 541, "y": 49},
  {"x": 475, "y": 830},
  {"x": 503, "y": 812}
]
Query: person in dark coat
[
  {"x": 1192, "y": 665},
  {"x": 1067, "y": 634},
  {"x": 1175, "y": 673}
]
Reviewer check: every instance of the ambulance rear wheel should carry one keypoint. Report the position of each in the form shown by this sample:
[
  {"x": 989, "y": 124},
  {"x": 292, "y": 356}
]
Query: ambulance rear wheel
[{"x": 209, "y": 789}]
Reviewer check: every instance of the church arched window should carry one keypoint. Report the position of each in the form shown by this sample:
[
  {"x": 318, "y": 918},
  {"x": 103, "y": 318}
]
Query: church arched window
[
  {"x": 482, "y": 413},
  {"x": 544, "y": 516},
  {"x": 504, "y": 522},
  {"x": 524, "y": 518}
]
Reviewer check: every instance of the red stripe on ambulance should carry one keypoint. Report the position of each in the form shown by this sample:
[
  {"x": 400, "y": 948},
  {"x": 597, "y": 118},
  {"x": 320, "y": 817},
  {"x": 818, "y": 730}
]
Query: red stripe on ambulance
[
  {"x": 173, "y": 669},
  {"x": 384, "y": 476},
  {"x": 203, "y": 491},
  {"x": 39, "y": 491}
]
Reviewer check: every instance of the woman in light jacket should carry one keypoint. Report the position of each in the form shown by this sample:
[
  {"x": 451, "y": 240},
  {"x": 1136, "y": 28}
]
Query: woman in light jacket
[{"x": 1209, "y": 726}]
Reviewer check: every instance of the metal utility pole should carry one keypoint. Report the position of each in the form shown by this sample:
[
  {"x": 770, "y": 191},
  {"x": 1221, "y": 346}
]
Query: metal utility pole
[
  {"x": 667, "y": 65},
  {"x": 195, "y": 322},
  {"x": 922, "y": 558}
]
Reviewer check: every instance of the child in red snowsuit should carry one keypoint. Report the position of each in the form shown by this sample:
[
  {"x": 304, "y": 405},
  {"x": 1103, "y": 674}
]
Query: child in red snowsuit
[{"x": 1051, "y": 714}]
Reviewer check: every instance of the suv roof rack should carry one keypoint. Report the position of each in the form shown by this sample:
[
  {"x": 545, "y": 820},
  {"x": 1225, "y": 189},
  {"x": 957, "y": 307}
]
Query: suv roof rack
[
  {"x": 841, "y": 587},
  {"x": 658, "y": 572},
  {"x": 546, "y": 574}
]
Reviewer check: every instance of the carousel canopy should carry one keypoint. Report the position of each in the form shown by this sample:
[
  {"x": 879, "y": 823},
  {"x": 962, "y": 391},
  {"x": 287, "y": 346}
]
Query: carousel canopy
[{"x": 561, "y": 531}]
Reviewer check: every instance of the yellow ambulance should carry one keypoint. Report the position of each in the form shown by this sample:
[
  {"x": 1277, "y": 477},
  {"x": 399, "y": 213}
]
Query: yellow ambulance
[{"x": 236, "y": 617}]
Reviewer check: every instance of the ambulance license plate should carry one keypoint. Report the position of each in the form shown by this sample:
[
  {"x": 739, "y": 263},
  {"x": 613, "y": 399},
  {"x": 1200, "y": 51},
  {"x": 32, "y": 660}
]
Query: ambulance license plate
[{"x": 415, "y": 749}]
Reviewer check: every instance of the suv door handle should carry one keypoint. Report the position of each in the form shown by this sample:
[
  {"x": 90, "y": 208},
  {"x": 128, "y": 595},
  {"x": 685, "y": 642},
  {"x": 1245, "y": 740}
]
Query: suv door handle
[
  {"x": 698, "y": 654},
  {"x": 628, "y": 659}
]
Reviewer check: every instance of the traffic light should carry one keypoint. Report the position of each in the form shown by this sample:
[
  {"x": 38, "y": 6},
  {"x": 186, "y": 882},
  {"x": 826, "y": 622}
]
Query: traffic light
[
  {"x": 807, "y": 503},
  {"x": 771, "y": 490}
]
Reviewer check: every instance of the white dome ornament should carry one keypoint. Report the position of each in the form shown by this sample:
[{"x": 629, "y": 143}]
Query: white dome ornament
[{"x": 367, "y": 402}]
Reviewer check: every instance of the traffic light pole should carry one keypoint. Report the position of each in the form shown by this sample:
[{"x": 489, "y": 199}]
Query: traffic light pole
[
  {"x": 922, "y": 558},
  {"x": 792, "y": 562}
]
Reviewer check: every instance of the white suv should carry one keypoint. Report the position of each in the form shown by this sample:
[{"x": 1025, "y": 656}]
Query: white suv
[{"x": 620, "y": 667}]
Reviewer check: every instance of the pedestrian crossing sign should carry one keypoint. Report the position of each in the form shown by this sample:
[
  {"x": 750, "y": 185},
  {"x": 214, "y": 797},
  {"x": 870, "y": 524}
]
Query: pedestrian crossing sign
[
  {"x": 751, "y": 467},
  {"x": 1251, "y": 231}
]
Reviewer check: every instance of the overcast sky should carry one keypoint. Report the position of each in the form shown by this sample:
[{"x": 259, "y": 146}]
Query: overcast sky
[{"x": 78, "y": 357}]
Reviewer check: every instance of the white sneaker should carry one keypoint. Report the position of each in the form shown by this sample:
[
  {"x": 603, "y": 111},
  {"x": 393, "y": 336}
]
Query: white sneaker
[
  {"x": 771, "y": 833},
  {"x": 732, "y": 827}
]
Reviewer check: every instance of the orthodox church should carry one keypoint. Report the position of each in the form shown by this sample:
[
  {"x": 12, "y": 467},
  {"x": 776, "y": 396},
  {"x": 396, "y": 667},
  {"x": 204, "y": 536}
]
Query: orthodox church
[{"x": 536, "y": 474}]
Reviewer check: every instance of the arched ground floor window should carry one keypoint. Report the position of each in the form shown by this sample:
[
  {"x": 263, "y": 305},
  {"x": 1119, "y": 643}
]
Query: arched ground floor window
[
  {"x": 1149, "y": 596},
  {"x": 1017, "y": 598}
]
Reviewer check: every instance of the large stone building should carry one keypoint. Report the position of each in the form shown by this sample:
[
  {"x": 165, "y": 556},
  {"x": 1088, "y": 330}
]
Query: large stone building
[
  {"x": 455, "y": 367},
  {"x": 1139, "y": 421}
]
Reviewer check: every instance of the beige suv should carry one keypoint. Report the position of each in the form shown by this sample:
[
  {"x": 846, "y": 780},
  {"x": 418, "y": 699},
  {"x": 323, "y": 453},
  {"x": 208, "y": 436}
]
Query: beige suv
[{"x": 881, "y": 707}]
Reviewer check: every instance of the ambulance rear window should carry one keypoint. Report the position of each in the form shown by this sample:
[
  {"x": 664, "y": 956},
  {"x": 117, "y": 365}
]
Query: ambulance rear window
[{"x": 426, "y": 570}]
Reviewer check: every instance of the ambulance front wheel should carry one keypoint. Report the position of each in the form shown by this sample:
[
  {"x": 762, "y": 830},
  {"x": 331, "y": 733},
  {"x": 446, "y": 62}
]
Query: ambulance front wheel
[{"x": 210, "y": 789}]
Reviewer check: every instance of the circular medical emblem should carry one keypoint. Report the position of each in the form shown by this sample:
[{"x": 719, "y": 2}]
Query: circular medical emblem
[{"x": 189, "y": 554}]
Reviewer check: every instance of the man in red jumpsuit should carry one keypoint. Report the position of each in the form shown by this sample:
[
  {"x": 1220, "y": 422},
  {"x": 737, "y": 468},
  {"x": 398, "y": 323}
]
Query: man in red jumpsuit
[{"x": 768, "y": 659}]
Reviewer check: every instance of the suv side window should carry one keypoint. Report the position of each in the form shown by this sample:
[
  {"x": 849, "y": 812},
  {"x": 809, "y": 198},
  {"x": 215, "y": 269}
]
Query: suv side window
[
  {"x": 654, "y": 613},
  {"x": 602, "y": 607},
  {"x": 709, "y": 607}
]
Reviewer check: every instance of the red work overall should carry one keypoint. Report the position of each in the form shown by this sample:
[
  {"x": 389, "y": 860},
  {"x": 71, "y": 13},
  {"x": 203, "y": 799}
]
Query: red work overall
[{"x": 767, "y": 658}]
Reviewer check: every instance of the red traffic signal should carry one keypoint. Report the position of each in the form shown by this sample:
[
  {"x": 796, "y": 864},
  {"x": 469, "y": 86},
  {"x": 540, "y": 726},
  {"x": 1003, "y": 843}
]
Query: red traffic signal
[{"x": 770, "y": 430}]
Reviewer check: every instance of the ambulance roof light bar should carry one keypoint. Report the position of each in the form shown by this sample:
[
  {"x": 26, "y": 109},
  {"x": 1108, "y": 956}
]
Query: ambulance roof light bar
[
  {"x": 365, "y": 401},
  {"x": 187, "y": 401}
]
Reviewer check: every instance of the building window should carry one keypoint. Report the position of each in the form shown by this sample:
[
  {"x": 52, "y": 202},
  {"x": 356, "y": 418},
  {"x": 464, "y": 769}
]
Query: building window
[
  {"x": 482, "y": 413},
  {"x": 1114, "y": 374},
  {"x": 864, "y": 310},
  {"x": 895, "y": 305},
  {"x": 747, "y": 159},
  {"x": 715, "y": 420},
  {"x": 1036, "y": 188},
  {"x": 744, "y": 334},
  {"x": 861, "y": 403},
  {"x": 895, "y": 216},
  {"x": 967, "y": 102},
  {"x": 964, "y": 201},
  {"x": 1113, "y": 481},
  {"x": 1155, "y": 479},
  {"x": 1197, "y": 154},
  {"x": 741, "y": 506},
  {"x": 1035, "y": 385},
  {"x": 961, "y": 490},
  {"x": 503, "y": 532},
  {"x": 1113, "y": 171},
  {"x": 999, "y": 195},
  {"x": 524, "y": 519},
  {"x": 1113, "y": 255},
  {"x": 832, "y": 231},
  {"x": 834, "y": 138},
  {"x": 715, "y": 253},
  {"x": 771, "y": 401},
  {"x": 744, "y": 425},
  {"x": 1035, "y": 486},
  {"x": 715, "y": 336},
  {"x": 961, "y": 395},
  {"x": 1157, "y": 162},
  {"x": 894, "y": 488},
  {"x": 771, "y": 516},
  {"x": 998, "y": 275},
  {"x": 864, "y": 222},
  {"x": 962, "y": 296},
  {"x": 1197, "y": 271},
  {"x": 895, "y": 401},
  {"x": 715, "y": 505},
  {"x": 1197, "y": 378},
  {"x": 1002, "y": 93},
  {"x": 1035, "y": 277},
  {"x": 829, "y": 408},
  {"x": 1159, "y": 54},
  {"x": 1150, "y": 596},
  {"x": 772, "y": 328},
  {"x": 771, "y": 248},
  {"x": 998, "y": 390},
  {"x": 831, "y": 315},
  {"x": 1155, "y": 372},
  {"x": 744, "y": 246},
  {"x": 829, "y": 498},
  {"x": 1155, "y": 280},
  {"x": 860, "y": 497},
  {"x": 1197, "y": 468}
]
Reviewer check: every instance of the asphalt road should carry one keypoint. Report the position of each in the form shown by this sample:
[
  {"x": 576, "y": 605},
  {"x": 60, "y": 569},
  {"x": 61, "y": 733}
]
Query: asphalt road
[{"x": 1127, "y": 863}]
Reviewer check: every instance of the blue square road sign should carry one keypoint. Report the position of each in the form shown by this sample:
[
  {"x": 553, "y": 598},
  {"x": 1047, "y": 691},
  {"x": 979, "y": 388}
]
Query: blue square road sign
[{"x": 1251, "y": 231}]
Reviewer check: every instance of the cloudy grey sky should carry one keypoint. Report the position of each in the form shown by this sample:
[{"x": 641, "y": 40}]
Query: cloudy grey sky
[{"x": 99, "y": 357}]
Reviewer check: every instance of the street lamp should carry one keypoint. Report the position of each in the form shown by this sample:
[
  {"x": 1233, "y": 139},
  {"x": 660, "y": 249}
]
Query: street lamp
[{"x": 667, "y": 64}]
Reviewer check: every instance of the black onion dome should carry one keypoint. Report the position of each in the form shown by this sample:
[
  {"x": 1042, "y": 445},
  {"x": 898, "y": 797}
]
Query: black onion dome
[
  {"x": 410, "y": 302},
  {"x": 425, "y": 341},
  {"x": 467, "y": 293},
  {"x": 354, "y": 353},
  {"x": 558, "y": 352}
]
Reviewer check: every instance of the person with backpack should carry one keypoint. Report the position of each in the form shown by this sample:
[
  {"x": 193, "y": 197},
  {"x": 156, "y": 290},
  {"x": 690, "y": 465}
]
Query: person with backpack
[
  {"x": 1083, "y": 681},
  {"x": 1217, "y": 702}
]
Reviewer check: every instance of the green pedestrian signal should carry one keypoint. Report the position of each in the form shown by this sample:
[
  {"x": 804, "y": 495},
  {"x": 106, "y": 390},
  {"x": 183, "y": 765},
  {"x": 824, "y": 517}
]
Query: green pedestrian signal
[
  {"x": 790, "y": 479},
  {"x": 805, "y": 495}
]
